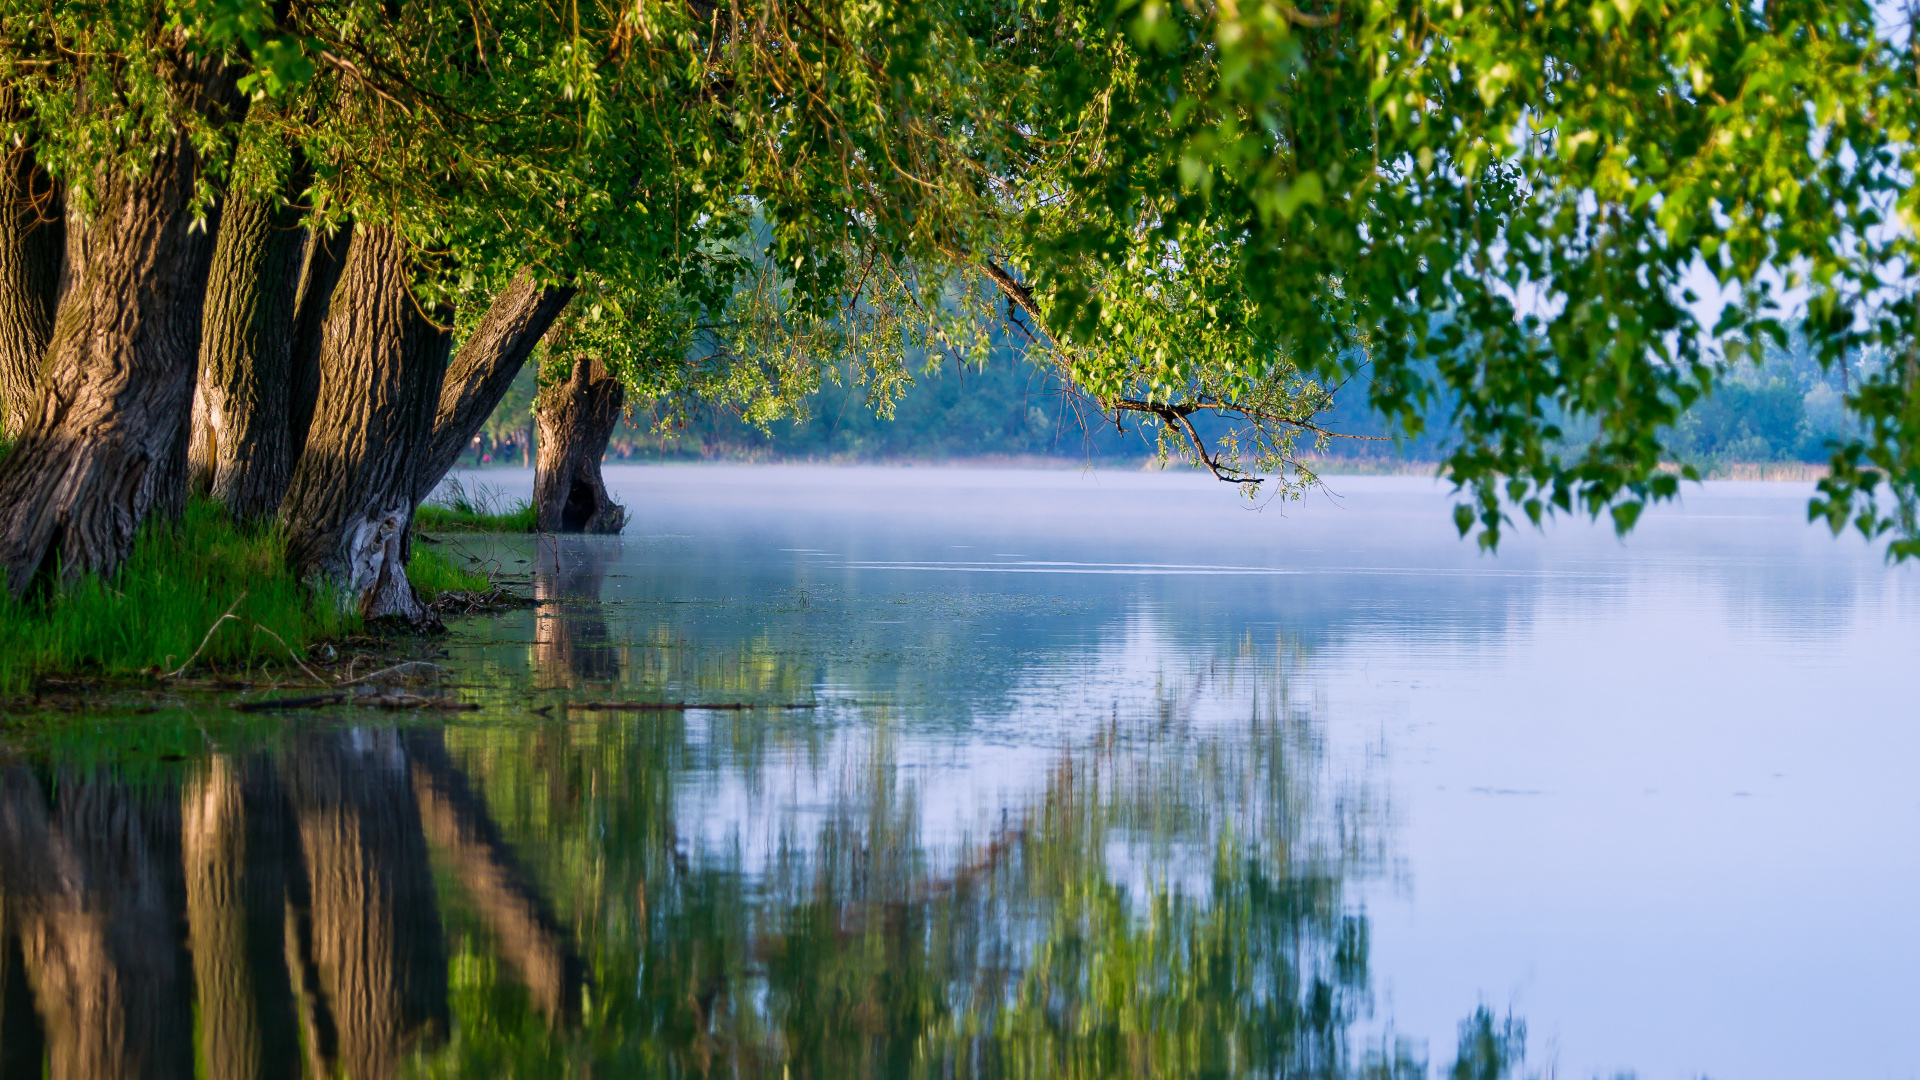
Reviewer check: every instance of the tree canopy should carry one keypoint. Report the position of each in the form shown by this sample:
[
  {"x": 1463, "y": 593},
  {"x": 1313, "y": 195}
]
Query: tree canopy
[{"x": 1566, "y": 221}]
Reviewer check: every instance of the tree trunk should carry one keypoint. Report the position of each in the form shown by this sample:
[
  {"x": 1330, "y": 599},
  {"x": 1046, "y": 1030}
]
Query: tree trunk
[
  {"x": 119, "y": 370},
  {"x": 576, "y": 418},
  {"x": 485, "y": 367},
  {"x": 242, "y": 448},
  {"x": 527, "y": 935},
  {"x": 326, "y": 256},
  {"x": 234, "y": 840},
  {"x": 32, "y": 243},
  {"x": 350, "y": 507},
  {"x": 376, "y": 944},
  {"x": 98, "y": 928}
]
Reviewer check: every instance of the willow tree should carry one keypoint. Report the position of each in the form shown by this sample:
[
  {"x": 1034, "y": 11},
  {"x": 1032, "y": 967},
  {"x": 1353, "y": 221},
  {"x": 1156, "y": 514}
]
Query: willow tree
[{"x": 1240, "y": 209}]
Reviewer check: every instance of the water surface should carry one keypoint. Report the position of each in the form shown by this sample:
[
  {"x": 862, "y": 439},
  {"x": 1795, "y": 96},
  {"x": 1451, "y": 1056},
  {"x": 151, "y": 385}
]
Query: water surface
[{"x": 1045, "y": 773}]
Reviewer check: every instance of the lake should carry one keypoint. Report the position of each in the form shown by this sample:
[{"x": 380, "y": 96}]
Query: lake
[{"x": 967, "y": 772}]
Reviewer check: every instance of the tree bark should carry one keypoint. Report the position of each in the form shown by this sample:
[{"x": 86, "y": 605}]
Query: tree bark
[
  {"x": 376, "y": 945},
  {"x": 527, "y": 935},
  {"x": 350, "y": 507},
  {"x": 32, "y": 244},
  {"x": 576, "y": 418},
  {"x": 98, "y": 929},
  {"x": 326, "y": 256},
  {"x": 234, "y": 839},
  {"x": 242, "y": 451},
  {"x": 119, "y": 369},
  {"x": 484, "y": 368}
]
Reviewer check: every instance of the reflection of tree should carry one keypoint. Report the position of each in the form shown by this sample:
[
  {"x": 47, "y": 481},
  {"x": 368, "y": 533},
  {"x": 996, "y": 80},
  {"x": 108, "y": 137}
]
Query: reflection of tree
[
  {"x": 570, "y": 640},
  {"x": 235, "y": 840},
  {"x": 524, "y": 930},
  {"x": 89, "y": 895},
  {"x": 376, "y": 946},
  {"x": 302, "y": 882},
  {"x": 1170, "y": 903}
]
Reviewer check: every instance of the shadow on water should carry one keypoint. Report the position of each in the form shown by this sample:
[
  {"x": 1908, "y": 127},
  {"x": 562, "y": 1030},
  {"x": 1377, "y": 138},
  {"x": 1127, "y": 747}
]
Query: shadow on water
[{"x": 1170, "y": 897}]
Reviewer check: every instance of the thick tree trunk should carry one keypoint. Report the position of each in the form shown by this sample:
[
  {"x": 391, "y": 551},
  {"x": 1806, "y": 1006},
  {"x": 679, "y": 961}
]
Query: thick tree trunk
[
  {"x": 326, "y": 256},
  {"x": 376, "y": 945},
  {"x": 119, "y": 371},
  {"x": 576, "y": 418},
  {"x": 87, "y": 887},
  {"x": 527, "y": 935},
  {"x": 32, "y": 244},
  {"x": 350, "y": 507},
  {"x": 484, "y": 368},
  {"x": 234, "y": 826},
  {"x": 242, "y": 451}
]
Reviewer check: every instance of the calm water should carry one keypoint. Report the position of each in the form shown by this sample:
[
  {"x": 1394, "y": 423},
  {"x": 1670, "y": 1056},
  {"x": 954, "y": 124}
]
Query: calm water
[{"x": 1048, "y": 774}]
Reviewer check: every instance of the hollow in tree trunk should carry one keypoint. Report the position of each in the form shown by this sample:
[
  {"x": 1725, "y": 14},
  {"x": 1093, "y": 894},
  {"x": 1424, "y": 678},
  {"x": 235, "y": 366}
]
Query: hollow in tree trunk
[
  {"x": 241, "y": 452},
  {"x": 575, "y": 417},
  {"x": 484, "y": 368},
  {"x": 99, "y": 448},
  {"x": 349, "y": 510},
  {"x": 32, "y": 242}
]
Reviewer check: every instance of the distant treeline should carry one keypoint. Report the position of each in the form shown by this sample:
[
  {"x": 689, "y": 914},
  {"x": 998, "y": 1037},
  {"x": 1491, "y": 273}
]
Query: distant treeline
[{"x": 1784, "y": 411}]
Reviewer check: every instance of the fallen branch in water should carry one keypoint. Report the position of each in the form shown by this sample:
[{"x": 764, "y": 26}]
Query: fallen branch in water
[
  {"x": 369, "y": 701},
  {"x": 305, "y": 701},
  {"x": 411, "y": 701},
  {"x": 678, "y": 706}
]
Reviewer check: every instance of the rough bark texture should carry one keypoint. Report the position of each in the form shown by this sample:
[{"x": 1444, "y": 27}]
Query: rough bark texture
[
  {"x": 325, "y": 257},
  {"x": 32, "y": 245},
  {"x": 484, "y": 368},
  {"x": 242, "y": 451},
  {"x": 88, "y": 890},
  {"x": 524, "y": 930},
  {"x": 350, "y": 507},
  {"x": 119, "y": 371},
  {"x": 375, "y": 946},
  {"x": 234, "y": 826},
  {"x": 576, "y": 418}
]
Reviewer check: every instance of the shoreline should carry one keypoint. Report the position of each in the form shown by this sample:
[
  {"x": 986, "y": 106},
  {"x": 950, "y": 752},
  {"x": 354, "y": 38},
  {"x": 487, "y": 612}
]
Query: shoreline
[{"x": 1747, "y": 472}]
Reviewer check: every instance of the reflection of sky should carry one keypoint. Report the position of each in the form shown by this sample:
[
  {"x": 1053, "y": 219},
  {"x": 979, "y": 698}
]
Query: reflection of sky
[{"x": 1653, "y": 795}]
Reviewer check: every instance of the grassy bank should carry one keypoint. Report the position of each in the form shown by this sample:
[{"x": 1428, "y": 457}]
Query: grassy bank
[
  {"x": 456, "y": 508},
  {"x": 183, "y": 576}
]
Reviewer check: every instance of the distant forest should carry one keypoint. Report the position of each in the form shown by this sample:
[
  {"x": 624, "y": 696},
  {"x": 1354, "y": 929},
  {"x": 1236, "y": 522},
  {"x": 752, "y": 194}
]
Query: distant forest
[{"x": 1784, "y": 411}]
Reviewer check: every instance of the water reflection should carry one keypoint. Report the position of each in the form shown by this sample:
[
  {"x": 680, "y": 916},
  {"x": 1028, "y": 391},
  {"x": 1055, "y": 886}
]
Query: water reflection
[
  {"x": 502, "y": 897},
  {"x": 570, "y": 633}
]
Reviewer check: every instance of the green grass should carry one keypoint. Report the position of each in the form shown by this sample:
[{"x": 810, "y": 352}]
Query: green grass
[
  {"x": 182, "y": 577},
  {"x": 433, "y": 574},
  {"x": 454, "y": 508}
]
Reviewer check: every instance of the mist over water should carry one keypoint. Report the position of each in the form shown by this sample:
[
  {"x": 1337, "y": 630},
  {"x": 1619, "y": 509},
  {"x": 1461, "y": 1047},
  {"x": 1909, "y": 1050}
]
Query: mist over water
[
  {"x": 1649, "y": 795},
  {"x": 1038, "y": 773}
]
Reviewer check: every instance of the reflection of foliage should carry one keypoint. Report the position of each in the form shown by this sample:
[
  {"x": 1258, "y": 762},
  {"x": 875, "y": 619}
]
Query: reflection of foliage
[{"x": 1170, "y": 904}]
